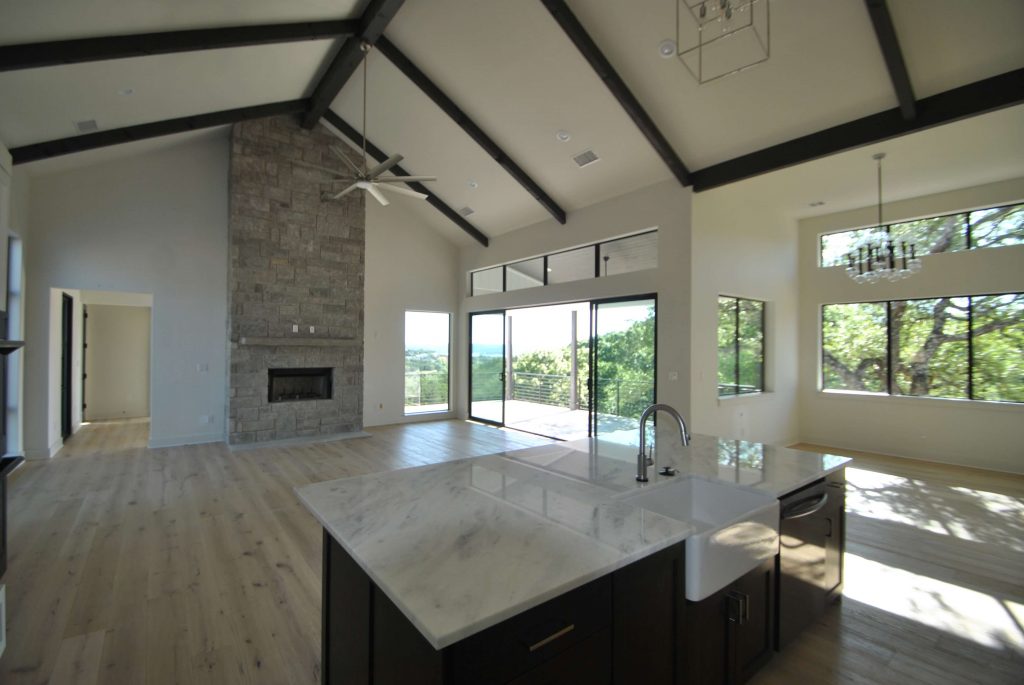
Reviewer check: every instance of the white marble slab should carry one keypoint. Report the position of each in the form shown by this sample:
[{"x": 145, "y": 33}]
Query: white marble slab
[
  {"x": 774, "y": 470},
  {"x": 464, "y": 545}
]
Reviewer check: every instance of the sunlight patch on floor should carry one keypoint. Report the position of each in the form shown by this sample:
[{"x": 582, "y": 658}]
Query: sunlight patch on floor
[
  {"x": 960, "y": 512},
  {"x": 959, "y": 611}
]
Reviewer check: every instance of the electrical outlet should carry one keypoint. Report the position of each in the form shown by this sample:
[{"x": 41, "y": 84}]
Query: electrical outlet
[
  {"x": 312, "y": 329},
  {"x": 295, "y": 328},
  {"x": 206, "y": 419},
  {"x": 673, "y": 375},
  {"x": 202, "y": 367}
]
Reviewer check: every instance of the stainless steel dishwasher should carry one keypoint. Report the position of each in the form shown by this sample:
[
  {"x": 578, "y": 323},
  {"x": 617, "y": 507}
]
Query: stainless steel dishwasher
[{"x": 812, "y": 540}]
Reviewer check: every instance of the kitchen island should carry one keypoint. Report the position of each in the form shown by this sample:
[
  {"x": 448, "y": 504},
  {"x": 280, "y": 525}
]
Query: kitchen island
[{"x": 522, "y": 566}]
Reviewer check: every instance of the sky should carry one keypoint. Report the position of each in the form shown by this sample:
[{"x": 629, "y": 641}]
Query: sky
[{"x": 533, "y": 328}]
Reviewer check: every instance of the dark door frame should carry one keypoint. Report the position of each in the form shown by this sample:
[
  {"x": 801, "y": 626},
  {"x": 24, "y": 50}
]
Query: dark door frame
[
  {"x": 67, "y": 314},
  {"x": 593, "y": 354},
  {"x": 504, "y": 381}
]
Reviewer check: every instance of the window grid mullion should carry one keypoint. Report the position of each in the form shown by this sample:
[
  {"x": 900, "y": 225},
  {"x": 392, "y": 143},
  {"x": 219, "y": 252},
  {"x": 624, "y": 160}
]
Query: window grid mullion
[
  {"x": 736, "y": 342},
  {"x": 888, "y": 348},
  {"x": 970, "y": 348}
]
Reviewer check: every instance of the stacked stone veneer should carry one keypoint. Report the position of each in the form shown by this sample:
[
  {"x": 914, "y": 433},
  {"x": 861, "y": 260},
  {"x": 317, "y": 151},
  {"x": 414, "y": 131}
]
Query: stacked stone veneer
[{"x": 296, "y": 260}]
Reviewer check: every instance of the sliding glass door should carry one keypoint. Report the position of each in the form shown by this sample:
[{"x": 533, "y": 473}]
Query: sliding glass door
[
  {"x": 623, "y": 360},
  {"x": 487, "y": 367},
  {"x": 565, "y": 371}
]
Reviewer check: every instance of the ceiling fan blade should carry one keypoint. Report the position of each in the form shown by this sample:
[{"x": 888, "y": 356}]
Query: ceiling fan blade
[
  {"x": 384, "y": 166},
  {"x": 345, "y": 192},
  {"x": 326, "y": 170},
  {"x": 343, "y": 157},
  {"x": 402, "y": 191},
  {"x": 406, "y": 179},
  {"x": 372, "y": 190}
]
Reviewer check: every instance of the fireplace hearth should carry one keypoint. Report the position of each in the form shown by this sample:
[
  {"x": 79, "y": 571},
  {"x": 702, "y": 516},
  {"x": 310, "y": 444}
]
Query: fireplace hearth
[{"x": 294, "y": 385}]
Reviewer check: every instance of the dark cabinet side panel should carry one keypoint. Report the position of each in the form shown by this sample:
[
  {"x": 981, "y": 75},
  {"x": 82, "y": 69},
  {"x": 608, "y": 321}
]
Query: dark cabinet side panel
[
  {"x": 647, "y": 609},
  {"x": 401, "y": 655},
  {"x": 347, "y": 594}
]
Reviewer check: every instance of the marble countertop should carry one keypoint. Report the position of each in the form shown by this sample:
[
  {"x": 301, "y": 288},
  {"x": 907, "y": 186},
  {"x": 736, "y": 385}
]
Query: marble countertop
[
  {"x": 773, "y": 470},
  {"x": 463, "y": 545}
]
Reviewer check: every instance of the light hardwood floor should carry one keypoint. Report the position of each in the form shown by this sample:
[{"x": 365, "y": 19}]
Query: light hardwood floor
[{"x": 198, "y": 564}]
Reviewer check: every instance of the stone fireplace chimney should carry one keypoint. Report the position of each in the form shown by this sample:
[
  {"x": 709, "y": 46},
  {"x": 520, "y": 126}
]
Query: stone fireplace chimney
[{"x": 296, "y": 288}]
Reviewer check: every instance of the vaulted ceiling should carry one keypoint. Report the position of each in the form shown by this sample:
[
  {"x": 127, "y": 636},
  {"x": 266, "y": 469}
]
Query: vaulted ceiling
[{"x": 511, "y": 69}]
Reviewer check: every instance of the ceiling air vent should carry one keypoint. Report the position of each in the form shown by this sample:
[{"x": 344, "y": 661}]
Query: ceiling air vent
[
  {"x": 87, "y": 126},
  {"x": 466, "y": 211},
  {"x": 586, "y": 157}
]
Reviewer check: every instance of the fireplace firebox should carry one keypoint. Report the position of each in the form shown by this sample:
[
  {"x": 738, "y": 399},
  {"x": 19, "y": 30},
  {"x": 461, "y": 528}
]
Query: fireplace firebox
[{"x": 291, "y": 385}]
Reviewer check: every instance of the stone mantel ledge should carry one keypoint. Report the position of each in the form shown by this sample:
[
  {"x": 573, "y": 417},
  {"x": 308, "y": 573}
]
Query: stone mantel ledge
[{"x": 297, "y": 342}]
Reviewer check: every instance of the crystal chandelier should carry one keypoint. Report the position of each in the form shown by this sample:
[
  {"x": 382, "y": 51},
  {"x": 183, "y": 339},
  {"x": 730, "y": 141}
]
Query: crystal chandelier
[{"x": 881, "y": 257}]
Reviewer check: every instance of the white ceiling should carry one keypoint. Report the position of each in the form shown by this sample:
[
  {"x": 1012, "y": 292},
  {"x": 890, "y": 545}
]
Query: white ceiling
[
  {"x": 29, "y": 21},
  {"x": 511, "y": 69}
]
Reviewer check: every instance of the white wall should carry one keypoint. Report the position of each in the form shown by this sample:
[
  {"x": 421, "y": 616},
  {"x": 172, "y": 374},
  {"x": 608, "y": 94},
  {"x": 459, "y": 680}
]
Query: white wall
[
  {"x": 408, "y": 266},
  {"x": 665, "y": 206},
  {"x": 983, "y": 434},
  {"x": 745, "y": 249},
  {"x": 153, "y": 223},
  {"x": 116, "y": 362}
]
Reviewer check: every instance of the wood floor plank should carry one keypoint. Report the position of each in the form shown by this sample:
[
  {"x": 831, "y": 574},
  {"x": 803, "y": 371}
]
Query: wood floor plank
[
  {"x": 198, "y": 564},
  {"x": 78, "y": 660}
]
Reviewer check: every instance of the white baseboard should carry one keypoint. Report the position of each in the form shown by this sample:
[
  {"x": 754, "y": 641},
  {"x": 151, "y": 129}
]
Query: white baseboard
[
  {"x": 47, "y": 453},
  {"x": 178, "y": 441}
]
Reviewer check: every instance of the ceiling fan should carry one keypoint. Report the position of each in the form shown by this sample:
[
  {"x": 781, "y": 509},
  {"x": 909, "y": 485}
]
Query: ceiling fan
[{"x": 371, "y": 180}]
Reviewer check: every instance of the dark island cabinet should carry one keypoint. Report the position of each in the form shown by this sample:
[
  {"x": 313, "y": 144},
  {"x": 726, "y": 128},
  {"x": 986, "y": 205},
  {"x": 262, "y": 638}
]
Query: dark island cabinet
[
  {"x": 730, "y": 633},
  {"x": 622, "y": 628}
]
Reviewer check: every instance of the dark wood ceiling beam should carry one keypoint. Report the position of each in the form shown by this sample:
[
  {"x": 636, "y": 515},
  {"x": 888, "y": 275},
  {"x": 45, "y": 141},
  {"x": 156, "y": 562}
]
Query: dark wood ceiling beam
[
  {"x": 980, "y": 97},
  {"x": 585, "y": 44},
  {"x": 128, "y": 134},
  {"x": 413, "y": 73},
  {"x": 375, "y": 19},
  {"x": 885, "y": 31},
  {"x": 53, "y": 53},
  {"x": 352, "y": 134}
]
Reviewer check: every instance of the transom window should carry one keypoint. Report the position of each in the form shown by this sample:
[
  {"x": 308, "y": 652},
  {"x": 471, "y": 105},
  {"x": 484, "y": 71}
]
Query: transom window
[
  {"x": 981, "y": 228},
  {"x": 612, "y": 257}
]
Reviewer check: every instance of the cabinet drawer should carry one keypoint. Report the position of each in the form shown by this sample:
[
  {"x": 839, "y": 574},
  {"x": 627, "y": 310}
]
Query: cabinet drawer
[
  {"x": 588, "y": 662},
  {"x": 510, "y": 649}
]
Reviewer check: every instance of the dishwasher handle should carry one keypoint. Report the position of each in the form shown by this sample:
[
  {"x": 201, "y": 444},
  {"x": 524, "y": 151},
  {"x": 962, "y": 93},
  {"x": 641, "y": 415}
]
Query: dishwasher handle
[{"x": 805, "y": 507}]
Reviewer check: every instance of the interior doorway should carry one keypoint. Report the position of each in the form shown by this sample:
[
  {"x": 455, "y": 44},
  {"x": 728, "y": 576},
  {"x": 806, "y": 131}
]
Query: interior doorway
[
  {"x": 565, "y": 371},
  {"x": 66, "y": 351},
  {"x": 116, "y": 342}
]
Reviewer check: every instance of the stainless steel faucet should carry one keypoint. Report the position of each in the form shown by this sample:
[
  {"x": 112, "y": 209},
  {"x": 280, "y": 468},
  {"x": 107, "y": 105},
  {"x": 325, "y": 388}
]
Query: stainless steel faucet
[{"x": 642, "y": 460}]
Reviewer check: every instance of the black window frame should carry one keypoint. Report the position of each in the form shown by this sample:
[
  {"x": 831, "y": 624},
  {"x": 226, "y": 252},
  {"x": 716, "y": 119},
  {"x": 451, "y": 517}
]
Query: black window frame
[
  {"x": 889, "y": 352},
  {"x": 965, "y": 218},
  {"x": 594, "y": 247},
  {"x": 736, "y": 348}
]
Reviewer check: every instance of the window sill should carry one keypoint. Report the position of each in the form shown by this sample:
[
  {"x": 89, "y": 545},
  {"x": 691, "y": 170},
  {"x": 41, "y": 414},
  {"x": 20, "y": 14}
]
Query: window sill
[
  {"x": 938, "y": 402},
  {"x": 729, "y": 399}
]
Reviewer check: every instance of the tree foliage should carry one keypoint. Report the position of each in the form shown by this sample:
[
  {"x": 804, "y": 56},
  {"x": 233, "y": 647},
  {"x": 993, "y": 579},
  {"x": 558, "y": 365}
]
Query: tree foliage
[{"x": 931, "y": 343}]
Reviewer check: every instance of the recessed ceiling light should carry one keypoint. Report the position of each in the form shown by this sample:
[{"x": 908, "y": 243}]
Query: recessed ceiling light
[
  {"x": 466, "y": 211},
  {"x": 563, "y": 136},
  {"x": 667, "y": 48},
  {"x": 126, "y": 91},
  {"x": 473, "y": 185},
  {"x": 87, "y": 126}
]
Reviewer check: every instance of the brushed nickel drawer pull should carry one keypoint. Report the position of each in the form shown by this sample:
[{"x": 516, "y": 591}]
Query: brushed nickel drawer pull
[{"x": 552, "y": 637}]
